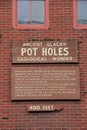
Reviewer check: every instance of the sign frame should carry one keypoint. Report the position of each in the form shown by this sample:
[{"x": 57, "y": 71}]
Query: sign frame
[
  {"x": 60, "y": 83},
  {"x": 44, "y": 52}
]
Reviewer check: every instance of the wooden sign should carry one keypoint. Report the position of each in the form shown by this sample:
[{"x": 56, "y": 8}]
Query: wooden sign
[
  {"x": 44, "y": 52},
  {"x": 45, "y": 83},
  {"x": 40, "y": 107}
]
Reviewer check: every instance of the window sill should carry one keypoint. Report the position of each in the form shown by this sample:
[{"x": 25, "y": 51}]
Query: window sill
[
  {"x": 30, "y": 27},
  {"x": 80, "y": 26}
]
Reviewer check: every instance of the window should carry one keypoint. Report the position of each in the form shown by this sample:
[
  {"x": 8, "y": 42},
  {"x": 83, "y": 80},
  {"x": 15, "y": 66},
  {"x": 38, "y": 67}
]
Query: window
[
  {"x": 30, "y": 14},
  {"x": 80, "y": 14}
]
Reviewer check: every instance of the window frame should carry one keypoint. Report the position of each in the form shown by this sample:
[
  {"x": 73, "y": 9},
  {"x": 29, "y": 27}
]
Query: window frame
[
  {"x": 75, "y": 24},
  {"x": 30, "y": 26}
]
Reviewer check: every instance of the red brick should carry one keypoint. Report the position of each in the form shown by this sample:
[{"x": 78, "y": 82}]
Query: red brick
[{"x": 14, "y": 115}]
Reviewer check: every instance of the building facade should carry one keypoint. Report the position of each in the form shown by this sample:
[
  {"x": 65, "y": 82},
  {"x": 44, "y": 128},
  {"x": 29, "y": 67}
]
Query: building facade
[{"x": 25, "y": 21}]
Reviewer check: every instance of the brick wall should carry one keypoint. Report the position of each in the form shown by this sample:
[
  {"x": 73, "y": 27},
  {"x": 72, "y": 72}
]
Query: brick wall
[{"x": 14, "y": 114}]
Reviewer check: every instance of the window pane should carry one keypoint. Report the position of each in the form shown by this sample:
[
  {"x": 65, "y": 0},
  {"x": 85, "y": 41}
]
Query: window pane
[
  {"x": 37, "y": 11},
  {"x": 23, "y": 11},
  {"x": 82, "y": 11}
]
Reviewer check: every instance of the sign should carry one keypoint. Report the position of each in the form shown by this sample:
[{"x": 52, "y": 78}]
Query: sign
[
  {"x": 44, "y": 107},
  {"x": 44, "y": 52},
  {"x": 45, "y": 83}
]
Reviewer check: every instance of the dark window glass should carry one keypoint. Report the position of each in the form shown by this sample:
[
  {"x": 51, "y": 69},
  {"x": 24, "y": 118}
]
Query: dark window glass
[
  {"x": 82, "y": 11},
  {"x": 23, "y": 12},
  {"x": 30, "y": 11},
  {"x": 37, "y": 12}
]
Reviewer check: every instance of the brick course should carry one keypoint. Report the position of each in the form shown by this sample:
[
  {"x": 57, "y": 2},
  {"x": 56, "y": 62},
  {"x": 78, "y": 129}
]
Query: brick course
[{"x": 14, "y": 115}]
